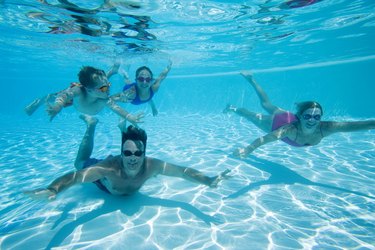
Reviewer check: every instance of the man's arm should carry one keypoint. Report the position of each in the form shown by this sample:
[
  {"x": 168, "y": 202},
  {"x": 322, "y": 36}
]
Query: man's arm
[
  {"x": 89, "y": 174},
  {"x": 186, "y": 173}
]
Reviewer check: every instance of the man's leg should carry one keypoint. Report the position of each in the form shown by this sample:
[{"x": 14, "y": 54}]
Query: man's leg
[{"x": 87, "y": 143}]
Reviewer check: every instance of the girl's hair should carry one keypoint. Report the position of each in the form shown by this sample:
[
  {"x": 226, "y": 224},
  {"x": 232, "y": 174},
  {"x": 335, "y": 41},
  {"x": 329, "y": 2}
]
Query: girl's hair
[
  {"x": 302, "y": 106},
  {"x": 134, "y": 134},
  {"x": 143, "y": 68}
]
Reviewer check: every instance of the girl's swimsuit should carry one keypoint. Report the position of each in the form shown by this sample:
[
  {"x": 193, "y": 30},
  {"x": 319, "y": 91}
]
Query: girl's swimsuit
[{"x": 137, "y": 100}]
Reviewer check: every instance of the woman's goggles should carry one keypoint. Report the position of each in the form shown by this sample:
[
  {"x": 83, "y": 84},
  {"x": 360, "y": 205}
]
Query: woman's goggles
[{"x": 308, "y": 117}]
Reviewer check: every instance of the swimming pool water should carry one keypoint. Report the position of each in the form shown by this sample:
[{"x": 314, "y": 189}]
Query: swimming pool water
[
  {"x": 319, "y": 197},
  {"x": 281, "y": 197}
]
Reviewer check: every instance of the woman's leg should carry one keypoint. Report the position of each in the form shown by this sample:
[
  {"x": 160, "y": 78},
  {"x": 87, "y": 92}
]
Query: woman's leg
[
  {"x": 87, "y": 143},
  {"x": 264, "y": 100},
  {"x": 262, "y": 121}
]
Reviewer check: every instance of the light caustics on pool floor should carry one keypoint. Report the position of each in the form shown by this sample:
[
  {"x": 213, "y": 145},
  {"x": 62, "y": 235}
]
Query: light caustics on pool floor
[{"x": 279, "y": 198}]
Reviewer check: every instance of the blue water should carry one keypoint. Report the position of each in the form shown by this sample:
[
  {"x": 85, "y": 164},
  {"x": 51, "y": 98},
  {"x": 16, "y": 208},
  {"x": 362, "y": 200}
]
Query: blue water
[{"x": 320, "y": 197}]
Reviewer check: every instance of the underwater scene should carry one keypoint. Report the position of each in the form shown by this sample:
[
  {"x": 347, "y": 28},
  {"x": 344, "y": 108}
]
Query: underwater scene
[{"x": 211, "y": 124}]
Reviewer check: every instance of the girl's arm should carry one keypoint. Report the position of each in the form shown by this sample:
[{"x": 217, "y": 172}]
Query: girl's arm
[
  {"x": 155, "y": 87},
  {"x": 134, "y": 119}
]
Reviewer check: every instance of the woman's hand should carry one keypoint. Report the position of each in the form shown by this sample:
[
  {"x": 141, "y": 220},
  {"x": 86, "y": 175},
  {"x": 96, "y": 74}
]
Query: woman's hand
[
  {"x": 41, "y": 194},
  {"x": 215, "y": 180},
  {"x": 243, "y": 152}
]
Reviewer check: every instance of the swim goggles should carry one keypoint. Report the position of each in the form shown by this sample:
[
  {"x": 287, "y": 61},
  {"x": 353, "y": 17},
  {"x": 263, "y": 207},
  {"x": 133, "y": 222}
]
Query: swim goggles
[
  {"x": 104, "y": 88},
  {"x": 128, "y": 153},
  {"x": 144, "y": 79},
  {"x": 308, "y": 117}
]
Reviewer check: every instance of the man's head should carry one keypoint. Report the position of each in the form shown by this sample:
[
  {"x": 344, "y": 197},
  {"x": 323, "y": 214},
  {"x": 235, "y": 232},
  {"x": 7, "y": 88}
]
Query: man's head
[{"x": 133, "y": 149}]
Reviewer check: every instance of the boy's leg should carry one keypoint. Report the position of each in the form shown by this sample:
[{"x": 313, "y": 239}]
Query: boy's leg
[
  {"x": 87, "y": 143},
  {"x": 122, "y": 126}
]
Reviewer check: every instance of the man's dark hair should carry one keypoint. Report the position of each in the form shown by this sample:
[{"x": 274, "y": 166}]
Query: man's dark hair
[
  {"x": 134, "y": 134},
  {"x": 86, "y": 73}
]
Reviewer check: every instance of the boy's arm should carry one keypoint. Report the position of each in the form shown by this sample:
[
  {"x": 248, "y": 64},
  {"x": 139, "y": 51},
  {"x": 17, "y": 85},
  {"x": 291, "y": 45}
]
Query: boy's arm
[{"x": 63, "y": 99}]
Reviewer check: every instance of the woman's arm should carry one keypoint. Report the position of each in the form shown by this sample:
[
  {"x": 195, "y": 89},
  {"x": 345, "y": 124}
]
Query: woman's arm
[
  {"x": 280, "y": 133},
  {"x": 329, "y": 128},
  {"x": 155, "y": 87}
]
